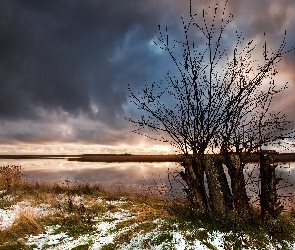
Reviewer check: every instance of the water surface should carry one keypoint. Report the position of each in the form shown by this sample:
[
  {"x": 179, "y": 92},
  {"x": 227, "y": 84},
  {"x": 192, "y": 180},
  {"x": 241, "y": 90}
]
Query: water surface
[
  {"x": 134, "y": 174},
  {"x": 128, "y": 174}
]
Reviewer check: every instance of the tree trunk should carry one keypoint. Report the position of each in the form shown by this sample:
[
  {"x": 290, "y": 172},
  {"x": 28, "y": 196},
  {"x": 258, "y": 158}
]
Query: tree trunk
[
  {"x": 270, "y": 207},
  {"x": 194, "y": 178},
  {"x": 219, "y": 192},
  {"x": 238, "y": 187}
]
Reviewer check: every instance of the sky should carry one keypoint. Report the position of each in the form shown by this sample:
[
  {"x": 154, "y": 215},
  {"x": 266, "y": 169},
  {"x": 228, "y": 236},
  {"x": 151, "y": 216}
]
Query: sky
[{"x": 65, "y": 66}]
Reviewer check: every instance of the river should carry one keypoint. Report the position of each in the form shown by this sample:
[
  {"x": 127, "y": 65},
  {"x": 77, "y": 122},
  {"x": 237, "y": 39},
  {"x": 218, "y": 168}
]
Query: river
[{"x": 139, "y": 175}]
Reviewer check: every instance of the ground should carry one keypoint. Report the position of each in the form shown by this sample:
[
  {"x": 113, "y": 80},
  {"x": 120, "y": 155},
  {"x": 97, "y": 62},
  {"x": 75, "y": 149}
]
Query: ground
[{"x": 81, "y": 215}]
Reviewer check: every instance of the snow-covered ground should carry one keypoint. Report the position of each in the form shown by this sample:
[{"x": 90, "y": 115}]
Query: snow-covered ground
[
  {"x": 9, "y": 216},
  {"x": 106, "y": 230},
  {"x": 104, "y": 235}
]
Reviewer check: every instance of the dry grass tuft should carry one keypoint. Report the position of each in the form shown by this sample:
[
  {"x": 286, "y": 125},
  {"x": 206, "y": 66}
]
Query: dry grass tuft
[
  {"x": 27, "y": 222},
  {"x": 10, "y": 176}
]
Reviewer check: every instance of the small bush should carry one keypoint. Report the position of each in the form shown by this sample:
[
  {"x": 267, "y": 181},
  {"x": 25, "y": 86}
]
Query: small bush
[{"x": 10, "y": 176}]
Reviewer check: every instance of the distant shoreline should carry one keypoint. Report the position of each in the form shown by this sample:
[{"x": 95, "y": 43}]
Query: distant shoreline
[
  {"x": 102, "y": 157},
  {"x": 128, "y": 158},
  {"x": 284, "y": 157}
]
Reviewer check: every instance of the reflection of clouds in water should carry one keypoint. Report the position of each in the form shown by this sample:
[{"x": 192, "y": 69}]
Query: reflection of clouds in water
[
  {"x": 61, "y": 169},
  {"x": 132, "y": 173},
  {"x": 141, "y": 176}
]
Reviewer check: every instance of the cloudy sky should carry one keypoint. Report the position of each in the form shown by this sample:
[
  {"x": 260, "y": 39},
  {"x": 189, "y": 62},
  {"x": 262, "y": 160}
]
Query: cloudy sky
[{"x": 65, "y": 66}]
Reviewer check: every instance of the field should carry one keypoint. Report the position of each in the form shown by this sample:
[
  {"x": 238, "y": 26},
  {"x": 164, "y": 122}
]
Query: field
[{"x": 80, "y": 215}]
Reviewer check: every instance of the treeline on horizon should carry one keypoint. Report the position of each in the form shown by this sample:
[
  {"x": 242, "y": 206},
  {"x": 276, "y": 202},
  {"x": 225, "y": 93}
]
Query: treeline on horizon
[{"x": 252, "y": 158}]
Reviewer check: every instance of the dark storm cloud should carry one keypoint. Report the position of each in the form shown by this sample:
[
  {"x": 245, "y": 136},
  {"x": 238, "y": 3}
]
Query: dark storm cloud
[
  {"x": 60, "y": 55},
  {"x": 66, "y": 58},
  {"x": 62, "y": 61}
]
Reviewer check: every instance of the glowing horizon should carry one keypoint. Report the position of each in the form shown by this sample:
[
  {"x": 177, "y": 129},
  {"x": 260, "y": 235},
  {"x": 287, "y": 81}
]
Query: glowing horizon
[{"x": 78, "y": 149}]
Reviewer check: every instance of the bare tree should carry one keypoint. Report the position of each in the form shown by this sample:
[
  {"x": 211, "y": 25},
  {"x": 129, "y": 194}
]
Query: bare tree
[
  {"x": 210, "y": 104},
  {"x": 250, "y": 124}
]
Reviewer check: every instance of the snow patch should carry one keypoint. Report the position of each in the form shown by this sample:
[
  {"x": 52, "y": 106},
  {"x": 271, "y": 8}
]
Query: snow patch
[
  {"x": 101, "y": 236},
  {"x": 8, "y": 216}
]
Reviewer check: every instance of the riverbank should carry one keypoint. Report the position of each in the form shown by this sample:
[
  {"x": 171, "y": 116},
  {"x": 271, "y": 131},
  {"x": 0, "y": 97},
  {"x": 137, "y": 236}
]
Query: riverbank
[
  {"x": 283, "y": 157},
  {"x": 253, "y": 158}
]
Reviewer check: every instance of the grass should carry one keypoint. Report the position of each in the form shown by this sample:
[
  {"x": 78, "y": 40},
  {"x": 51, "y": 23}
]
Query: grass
[{"x": 80, "y": 209}]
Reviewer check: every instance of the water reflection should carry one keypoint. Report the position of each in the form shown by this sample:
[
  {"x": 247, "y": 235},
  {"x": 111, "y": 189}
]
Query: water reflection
[
  {"x": 134, "y": 173},
  {"x": 109, "y": 174},
  {"x": 286, "y": 189}
]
